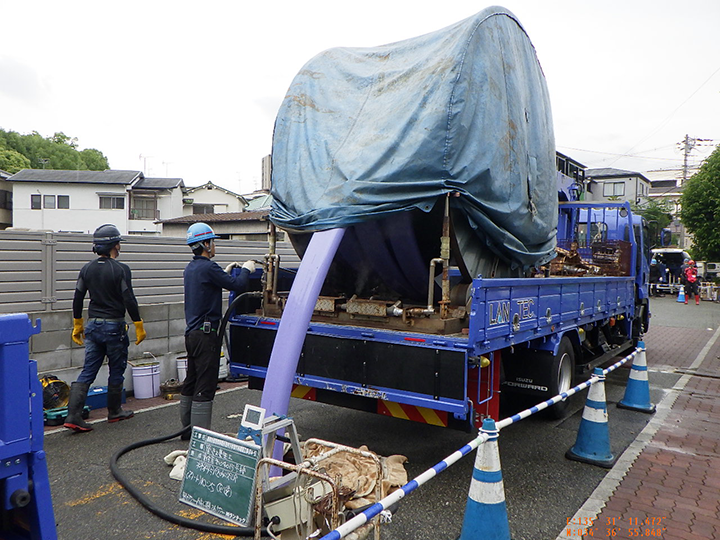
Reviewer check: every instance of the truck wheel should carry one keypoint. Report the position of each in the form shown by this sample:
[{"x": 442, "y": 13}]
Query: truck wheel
[{"x": 562, "y": 374}]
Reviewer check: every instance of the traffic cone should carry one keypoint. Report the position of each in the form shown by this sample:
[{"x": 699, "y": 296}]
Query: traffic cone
[
  {"x": 485, "y": 511},
  {"x": 593, "y": 439},
  {"x": 681, "y": 294},
  {"x": 637, "y": 391}
]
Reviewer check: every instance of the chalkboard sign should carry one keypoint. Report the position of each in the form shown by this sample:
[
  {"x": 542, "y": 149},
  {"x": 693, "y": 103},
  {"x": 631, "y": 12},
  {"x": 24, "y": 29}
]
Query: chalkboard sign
[{"x": 220, "y": 476}]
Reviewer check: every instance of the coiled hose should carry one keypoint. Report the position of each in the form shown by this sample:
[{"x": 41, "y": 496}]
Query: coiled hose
[{"x": 150, "y": 505}]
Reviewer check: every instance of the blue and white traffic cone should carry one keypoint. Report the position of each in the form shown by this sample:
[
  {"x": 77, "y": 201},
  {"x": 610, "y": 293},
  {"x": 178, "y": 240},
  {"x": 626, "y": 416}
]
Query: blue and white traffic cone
[
  {"x": 485, "y": 511},
  {"x": 681, "y": 294},
  {"x": 593, "y": 439},
  {"x": 637, "y": 391}
]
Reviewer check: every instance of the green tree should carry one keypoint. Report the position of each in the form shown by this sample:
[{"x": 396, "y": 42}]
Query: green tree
[
  {"x": 12, "y": 161},
  {"x": 94, "y": 160},
  {"x": 701, "y": 208},
  {"x": 56, "y": 152},
  {"x": 657, "y": 214}
]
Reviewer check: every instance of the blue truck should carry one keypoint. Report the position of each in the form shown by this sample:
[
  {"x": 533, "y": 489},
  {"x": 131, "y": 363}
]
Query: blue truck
[
  {"x": 527, "y": 336},
  {"x": 469, "y": 267}
]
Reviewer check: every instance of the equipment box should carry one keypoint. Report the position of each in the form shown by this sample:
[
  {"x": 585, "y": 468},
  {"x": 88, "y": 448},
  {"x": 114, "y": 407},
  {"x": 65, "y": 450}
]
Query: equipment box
[
  {"x": 56, "y": 417},
  {"x": 97, "y": 397}
]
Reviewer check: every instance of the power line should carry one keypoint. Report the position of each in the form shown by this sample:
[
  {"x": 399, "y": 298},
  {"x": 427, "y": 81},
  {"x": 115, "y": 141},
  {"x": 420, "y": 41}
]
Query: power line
[
  {"x": 662, "y": 124},
  {"x": 637, "y": 156}
]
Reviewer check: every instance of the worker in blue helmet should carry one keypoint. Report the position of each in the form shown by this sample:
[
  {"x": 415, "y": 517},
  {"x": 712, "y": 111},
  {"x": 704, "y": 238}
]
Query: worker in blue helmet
[
  {"x": 204, "y": 282},
  {"x": 109, "y": 284}
]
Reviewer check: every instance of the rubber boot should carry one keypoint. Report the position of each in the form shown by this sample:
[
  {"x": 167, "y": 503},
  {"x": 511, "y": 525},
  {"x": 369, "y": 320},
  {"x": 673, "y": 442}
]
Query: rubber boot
[
  {"x": 201, "y": 414},
  {"x": 76, "y": 404},
  {"x": 697, "y": 300},
  {"x": 686, "y": 297},
  {"x": 185, "y": 408},
  {"x": 114, "y": 404}
]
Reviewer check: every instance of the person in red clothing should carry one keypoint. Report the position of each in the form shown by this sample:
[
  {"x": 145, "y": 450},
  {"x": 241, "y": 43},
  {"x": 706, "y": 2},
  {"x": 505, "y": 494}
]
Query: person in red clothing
[{"x": 691, "y": 280}]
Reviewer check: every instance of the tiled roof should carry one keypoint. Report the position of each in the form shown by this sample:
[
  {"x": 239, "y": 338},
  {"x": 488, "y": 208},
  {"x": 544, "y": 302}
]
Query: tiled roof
[
  {"x": 210, "y": 185},
  {"x": 609, "y": 172},
  {"x": 159, "y": 183},
  {"x": 217, "y": 218},
  {"x": 77, "y": 177}
]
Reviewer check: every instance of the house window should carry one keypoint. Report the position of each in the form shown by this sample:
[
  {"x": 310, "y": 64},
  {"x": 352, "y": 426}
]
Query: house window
[
  {"x": 63, "y": 202},
  {"x": 143, "y": 208},
  {"x": 614, "y": 189},
  {"x": 5, "y": 199},
  {"x": 112, "y": 203},
  {"x": 35, "y": 202},
  {"x": 49, "y": 201},
  {"x": 203, "y": 209}
]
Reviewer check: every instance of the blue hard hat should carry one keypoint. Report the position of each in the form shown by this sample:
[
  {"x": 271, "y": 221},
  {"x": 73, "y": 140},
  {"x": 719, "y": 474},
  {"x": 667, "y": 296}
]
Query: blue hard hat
[
  {"x": 199, "y": 232},
  {"x": 654, "y": 261}
]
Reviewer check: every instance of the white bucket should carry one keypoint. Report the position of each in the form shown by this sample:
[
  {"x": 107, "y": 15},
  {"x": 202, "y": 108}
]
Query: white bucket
[
  {"x": 181, "y": 368},
  {"x": 223, "y": 371},
  {"x": 146, "y": 380}
]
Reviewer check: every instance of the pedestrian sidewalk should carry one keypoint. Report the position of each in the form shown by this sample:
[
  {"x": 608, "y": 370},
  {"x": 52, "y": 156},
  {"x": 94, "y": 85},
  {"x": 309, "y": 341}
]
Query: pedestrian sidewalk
[{"x": 666, "y": 484}]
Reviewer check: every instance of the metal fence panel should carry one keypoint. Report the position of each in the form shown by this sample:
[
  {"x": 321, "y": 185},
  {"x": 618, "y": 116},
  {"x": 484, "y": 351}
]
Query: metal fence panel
[{"x": 38, "y": 270}]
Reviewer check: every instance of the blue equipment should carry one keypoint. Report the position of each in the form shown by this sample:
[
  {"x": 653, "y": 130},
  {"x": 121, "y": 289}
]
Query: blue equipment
[{"x": 26, "y": 507}]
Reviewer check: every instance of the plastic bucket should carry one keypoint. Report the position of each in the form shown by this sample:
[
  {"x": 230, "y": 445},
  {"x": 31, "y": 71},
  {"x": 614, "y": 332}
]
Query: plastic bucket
[
  {"x": 223, "y": 371},
  {"x": 181, "y": 368},
  {"x": 146, "y": 380}
]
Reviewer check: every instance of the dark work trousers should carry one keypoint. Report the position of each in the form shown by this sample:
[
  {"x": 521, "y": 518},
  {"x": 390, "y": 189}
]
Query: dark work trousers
[{"x": 203, "y": 363}]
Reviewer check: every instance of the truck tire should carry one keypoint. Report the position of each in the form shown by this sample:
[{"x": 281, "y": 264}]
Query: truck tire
[{"x": 562, "y": 370}]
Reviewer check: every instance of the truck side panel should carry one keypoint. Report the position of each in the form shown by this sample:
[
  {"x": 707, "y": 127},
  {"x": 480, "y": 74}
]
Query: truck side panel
[{"x": 507, "y": 312}]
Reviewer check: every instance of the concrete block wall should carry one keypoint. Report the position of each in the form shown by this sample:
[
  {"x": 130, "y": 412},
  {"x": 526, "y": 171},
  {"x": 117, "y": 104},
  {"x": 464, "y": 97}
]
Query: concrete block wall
[{"x": 58, "y": 355}]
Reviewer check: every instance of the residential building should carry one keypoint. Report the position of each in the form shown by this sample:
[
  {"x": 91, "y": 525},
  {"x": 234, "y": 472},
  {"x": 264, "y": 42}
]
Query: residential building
[
  {"x": 258, "y": 200},
  {"x": 609, "y": 184},
  {"x": 232, "y": 225},
  {"x": 80, "y": 201},
  {"x": 666, "y": 186},
  {"x": 5, "y": 200},
  {"x": 571, "y": 176},
  {"x": 211, "y": 199}
]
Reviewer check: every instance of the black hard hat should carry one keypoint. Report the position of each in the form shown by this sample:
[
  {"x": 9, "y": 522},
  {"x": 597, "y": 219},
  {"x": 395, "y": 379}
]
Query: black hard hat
[{"x": 107, "y": 234}]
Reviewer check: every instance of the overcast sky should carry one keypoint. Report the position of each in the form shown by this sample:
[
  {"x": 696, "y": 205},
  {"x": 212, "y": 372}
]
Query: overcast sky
[{"x": 191, "y": 89}]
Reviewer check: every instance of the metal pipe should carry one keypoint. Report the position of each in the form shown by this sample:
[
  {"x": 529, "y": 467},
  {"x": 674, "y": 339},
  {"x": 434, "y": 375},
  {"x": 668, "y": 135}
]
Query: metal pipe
[
  {"x": 431, "y": 285},
  {"x": 445, "y": 256},
  {"x": 445, "y": 260}
]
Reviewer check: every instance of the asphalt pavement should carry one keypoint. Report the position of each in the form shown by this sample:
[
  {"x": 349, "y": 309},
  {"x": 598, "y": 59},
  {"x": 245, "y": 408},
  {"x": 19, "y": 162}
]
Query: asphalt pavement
[{"x": 547, "y": 495}]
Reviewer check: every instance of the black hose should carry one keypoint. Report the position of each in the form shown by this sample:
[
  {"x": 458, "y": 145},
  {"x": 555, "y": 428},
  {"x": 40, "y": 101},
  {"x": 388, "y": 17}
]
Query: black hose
[
  {"x": 231, "y": 307},
  {"x": 168, "y": 516},
  {"x": 147, "y": 503}
]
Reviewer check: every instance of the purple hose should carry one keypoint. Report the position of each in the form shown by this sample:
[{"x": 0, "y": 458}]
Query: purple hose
[{"x": 296, "y": 318}]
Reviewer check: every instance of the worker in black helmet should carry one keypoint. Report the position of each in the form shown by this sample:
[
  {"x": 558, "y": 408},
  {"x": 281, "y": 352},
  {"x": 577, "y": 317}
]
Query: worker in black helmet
[
  {"x": 109, "y": 283},
  {"x": 204, "y": 282}
]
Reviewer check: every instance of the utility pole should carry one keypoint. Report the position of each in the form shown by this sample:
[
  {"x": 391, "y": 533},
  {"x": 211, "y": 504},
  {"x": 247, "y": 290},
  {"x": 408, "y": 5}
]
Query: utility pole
[{"x": 687, "y": 145}]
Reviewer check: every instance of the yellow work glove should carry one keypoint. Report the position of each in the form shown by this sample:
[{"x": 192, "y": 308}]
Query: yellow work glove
[
  {"x": 78, "y": 331},
  {"x": 139, "y": 332}
]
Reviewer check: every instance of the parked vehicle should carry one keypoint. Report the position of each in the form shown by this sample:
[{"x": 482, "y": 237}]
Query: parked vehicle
[
  {"x": 673, "y": 259},
  {"x": 468, "y": 265}
]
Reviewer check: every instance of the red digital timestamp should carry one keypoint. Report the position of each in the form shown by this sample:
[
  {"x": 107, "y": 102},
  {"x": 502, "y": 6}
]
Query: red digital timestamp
[{"x": 588, "y": 527}]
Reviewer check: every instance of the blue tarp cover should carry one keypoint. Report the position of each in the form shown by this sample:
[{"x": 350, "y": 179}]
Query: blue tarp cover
[{"x": 364, "y": 133}]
